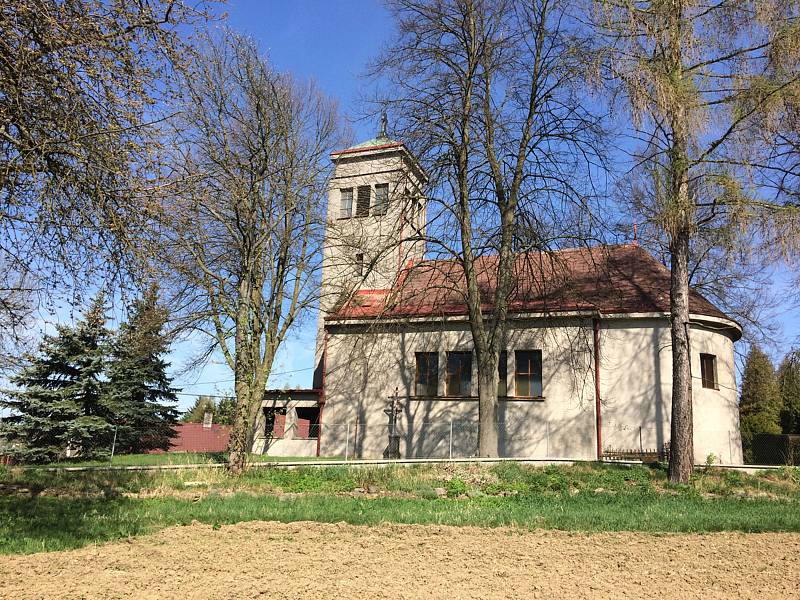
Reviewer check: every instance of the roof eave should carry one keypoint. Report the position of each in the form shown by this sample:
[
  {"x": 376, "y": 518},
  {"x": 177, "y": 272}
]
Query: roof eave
[
  {"x": 708, "y": 320},
  {"x": 381, "y": 149}
]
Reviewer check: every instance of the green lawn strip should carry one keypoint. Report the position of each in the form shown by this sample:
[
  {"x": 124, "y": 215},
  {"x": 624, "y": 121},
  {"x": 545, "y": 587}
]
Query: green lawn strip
[
  {"x": 45, "y": 523},
  {"x": 418, "y": 480},
  {"x": 46, "y": 510},
  {"x": 177, "y": 458},
  {"x": 111, "y": 483}
]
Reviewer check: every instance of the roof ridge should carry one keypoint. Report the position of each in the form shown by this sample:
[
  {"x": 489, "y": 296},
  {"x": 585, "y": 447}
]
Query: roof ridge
[{"x": 556, "y": 251}]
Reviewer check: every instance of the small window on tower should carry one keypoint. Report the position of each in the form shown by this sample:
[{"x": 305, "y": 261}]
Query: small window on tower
[
  {"x": 346, "y": 206},
  {"x": 362, "y": 208},
  {"x": 360, "y": 265},
  {"x": 381, "y": 199}
]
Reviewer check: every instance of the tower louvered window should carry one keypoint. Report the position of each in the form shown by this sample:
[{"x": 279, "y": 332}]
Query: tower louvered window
[{"x": 362, "y": 207}]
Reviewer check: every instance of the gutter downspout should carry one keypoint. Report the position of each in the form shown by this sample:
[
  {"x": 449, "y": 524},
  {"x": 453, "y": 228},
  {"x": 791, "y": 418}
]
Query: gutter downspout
[
  {"x": 598, "y": 416},
  {"x": 322, "y": 391}
]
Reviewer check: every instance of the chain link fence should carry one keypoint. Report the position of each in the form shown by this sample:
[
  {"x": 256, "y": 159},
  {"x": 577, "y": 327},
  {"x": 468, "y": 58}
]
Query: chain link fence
[
  {"x": 458, "y": 439},
  {"x": 447, "y": 439},
  {"x": 772, "y": 449}
]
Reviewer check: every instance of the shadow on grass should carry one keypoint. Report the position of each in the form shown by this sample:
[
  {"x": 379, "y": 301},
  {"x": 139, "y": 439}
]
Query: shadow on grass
[
  {"x": 47, "y": 523},
  {"x": 44, "y": 523}
]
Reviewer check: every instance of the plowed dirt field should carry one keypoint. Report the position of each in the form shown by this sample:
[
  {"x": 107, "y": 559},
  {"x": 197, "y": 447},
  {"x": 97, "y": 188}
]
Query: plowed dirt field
[{"x": 317, "y": 560}]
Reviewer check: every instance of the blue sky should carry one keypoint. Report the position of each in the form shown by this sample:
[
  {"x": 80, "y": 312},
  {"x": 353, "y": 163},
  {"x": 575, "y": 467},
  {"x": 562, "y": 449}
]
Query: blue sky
[{"x": 331, "y": 42}]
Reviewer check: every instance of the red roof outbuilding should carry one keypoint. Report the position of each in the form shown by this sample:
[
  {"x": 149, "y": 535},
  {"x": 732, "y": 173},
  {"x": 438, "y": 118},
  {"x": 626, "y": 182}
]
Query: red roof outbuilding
[{"x": 194, "y": 437}]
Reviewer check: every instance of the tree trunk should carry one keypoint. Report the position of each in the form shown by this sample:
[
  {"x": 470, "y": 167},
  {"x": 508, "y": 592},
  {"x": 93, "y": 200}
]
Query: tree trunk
[
  {"x": 680, "y": 217},
  {"x": 237, "y": 446},
  {"x": 681, "y": 443},
  {"x": 488, "y": 439}
]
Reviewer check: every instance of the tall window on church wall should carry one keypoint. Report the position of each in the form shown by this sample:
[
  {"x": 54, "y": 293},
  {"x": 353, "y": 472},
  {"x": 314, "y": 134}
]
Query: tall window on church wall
[
  {"x": 708, "y": 371},
  {"x": 528, "y": 373},
  {"x": 362, "y": 206},
  {"x": 346, "y": 206},
  {"x": 426, "y": 381},
  {"x": 459, "y": 373},
  {"x": 381, "y": 199}
]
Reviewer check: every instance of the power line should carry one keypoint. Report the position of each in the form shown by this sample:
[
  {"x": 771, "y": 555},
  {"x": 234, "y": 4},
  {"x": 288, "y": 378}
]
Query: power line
[
  {"x": 207, "y": 383},
  {"x": 232, "y": 380},
  {"x": 198, "y": 395},
  {"x": 727, "y": 387}
]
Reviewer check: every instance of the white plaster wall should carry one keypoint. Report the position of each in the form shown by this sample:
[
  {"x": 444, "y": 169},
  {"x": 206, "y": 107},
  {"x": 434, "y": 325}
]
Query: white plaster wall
[
  {"x": 635, "y": 383},
  {"x": 716, "y": 412},
  {"x": 636, "y": 387},
  {"x": 364, "y": 366},
  {"x": 286, "y": 447}
]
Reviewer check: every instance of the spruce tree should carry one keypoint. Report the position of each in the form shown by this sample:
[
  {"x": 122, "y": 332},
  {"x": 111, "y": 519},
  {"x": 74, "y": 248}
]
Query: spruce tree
[
  {"x": 226, "y": 411},
  {"x": 789, "y": 383},
  {"x": 60, "y": 402},
  {"x": 139, "y": 389},
  {"x": 201, "y": 406},
  {"x": 760, "y": 403}
]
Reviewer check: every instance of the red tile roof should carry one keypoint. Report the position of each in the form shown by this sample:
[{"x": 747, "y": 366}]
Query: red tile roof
[{"x": 617, "y": 279}]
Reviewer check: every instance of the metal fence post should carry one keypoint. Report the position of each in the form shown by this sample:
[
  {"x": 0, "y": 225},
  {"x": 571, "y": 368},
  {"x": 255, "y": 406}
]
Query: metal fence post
[
  {"x": 730, "y": 448},
  {"x": 347, "y": 441},
  {"x": 641, "y": 447},
  {"x": 547, "y": 436},
  {"x": 451, "y": 439},
  {"x": 113, "y": 444}
]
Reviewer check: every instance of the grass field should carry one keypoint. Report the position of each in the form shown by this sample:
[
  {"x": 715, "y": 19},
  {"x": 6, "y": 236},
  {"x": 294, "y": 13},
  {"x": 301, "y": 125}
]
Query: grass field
[
  {"x": 176, "y": 458},
  {"x": 41, "y": 510}
]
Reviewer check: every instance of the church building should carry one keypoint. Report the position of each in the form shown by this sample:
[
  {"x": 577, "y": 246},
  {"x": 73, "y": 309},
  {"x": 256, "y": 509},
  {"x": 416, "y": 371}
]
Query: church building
[{"x": 586, "y": 367}]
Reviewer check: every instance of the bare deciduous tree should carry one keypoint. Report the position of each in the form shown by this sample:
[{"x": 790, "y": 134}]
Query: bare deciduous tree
[
  {"x": 240, "y": 231},
  {"x": 488, "y": 94},
  {"x": 78, "y": 84},
  {"x": 699, "y": 79}
]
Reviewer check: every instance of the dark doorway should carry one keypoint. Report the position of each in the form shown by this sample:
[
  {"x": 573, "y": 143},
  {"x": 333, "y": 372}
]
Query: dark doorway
[{"x": 307, "y": 422}]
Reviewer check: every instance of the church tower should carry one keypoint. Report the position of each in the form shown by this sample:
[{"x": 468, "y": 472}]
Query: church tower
[{"x": 375, "y": 222}]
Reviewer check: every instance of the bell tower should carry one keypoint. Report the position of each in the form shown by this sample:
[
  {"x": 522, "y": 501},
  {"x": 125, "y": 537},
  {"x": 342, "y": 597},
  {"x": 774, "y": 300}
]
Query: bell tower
[{"x": 375, "y": 221}]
